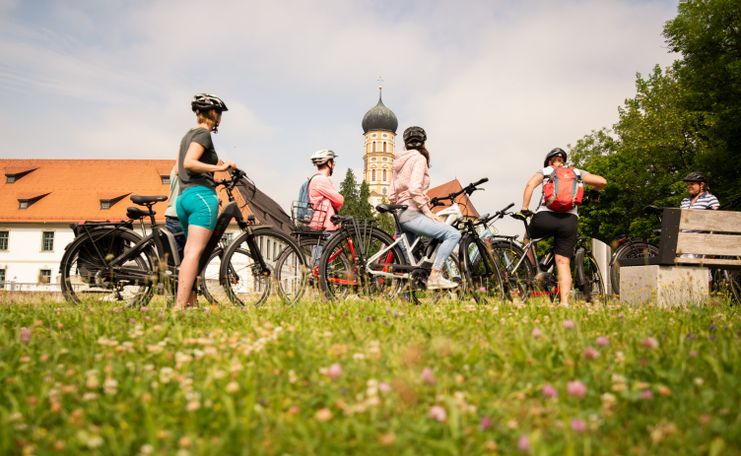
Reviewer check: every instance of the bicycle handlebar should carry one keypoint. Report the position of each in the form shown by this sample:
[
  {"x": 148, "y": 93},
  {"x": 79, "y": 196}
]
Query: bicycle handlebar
[{"x": 468, "y": 189}]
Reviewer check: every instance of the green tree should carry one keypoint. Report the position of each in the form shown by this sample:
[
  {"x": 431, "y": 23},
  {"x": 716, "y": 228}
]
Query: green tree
[
  {"x": 364, "y": 208},
  {"x": 707, "y": 33},
  {"x": 644, "y": 157},
  {"x": 349, "y": 190}
]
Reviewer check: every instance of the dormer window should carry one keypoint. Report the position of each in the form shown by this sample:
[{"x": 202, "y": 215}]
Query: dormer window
[
  {"x": 14, "y": 174},
  {"x": 165, "y": 180},
  {"x": 26, "y": 201},
  {"x": 108, "y": 200}
]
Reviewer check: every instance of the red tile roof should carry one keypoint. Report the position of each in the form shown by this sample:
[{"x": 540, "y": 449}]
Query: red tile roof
[
  {"x": 446, "y": 189},
  {"x": 75, "y": 188}
]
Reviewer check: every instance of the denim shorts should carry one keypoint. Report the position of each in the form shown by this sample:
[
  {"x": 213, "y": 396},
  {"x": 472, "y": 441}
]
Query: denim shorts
[{"x": 198, "y": 206}]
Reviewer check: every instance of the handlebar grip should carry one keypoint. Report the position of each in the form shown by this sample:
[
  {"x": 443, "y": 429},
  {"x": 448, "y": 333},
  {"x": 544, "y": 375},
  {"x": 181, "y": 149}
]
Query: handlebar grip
[
  {"x": 508, "y": 207},
  {"x": 480, "y": 181}
]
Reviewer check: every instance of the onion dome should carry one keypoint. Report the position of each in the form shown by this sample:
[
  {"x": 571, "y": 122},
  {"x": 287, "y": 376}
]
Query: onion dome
[{"x": 380, "y": 117}]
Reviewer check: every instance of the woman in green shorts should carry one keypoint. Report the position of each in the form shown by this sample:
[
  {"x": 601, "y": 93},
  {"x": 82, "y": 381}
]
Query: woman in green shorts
[{"x": 198, "y": 206}]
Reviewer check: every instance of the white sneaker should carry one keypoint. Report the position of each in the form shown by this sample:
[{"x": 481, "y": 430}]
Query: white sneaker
[{"x": 437, "y": 282}]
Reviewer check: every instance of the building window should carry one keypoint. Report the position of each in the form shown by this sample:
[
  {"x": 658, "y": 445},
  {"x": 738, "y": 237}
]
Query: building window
[
  {"x": 45, "y": 276},
  {"x": 47, "y": 241},
  {"x": 105, "y": 204},
  {"x": 10, "y": 179},
  {"x": 384, "y": 175},
  {"x": 2, "y": 279},
  {"x": 384, "y": 135},
  {"x": 373, "y": 175},
  {"x": 374, "y": 146},
  {"x": 23, "y": 204},
  {"x": 384, "y": 146},
  {"x": 3, "y": 240},
  {"x": 384, "y": 190},
  {"x": 165, "y": 180}
]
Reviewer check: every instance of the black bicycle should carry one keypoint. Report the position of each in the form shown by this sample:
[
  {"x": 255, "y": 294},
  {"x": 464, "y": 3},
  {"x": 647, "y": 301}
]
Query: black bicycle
[
  {"x": 526, "y": 275},
  {"x": 110, "y": 261},
  {"x": 630, "y": 247}
]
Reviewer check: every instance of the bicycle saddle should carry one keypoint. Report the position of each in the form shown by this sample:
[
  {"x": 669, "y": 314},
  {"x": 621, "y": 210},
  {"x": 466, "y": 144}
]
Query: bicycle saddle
[
  {"x": 145, "y": 200},
  {"x": 391, "y": 207}
]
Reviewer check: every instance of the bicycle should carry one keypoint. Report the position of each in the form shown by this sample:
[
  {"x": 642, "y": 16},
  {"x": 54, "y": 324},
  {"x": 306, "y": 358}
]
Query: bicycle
[
  {"x": 480, "y": 268},
  {"x": 631, "y": 248},
  {"x": 113, "y": 262},
  {"x": 371, "y": 261},
  {"x": 526, "y": 275}
]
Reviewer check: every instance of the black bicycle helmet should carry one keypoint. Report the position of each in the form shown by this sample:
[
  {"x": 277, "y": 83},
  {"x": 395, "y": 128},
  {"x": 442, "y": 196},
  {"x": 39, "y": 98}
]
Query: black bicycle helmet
[
  {"x": 554, "y": 153},
  {"x": 695, "y": 176},
  {"x": 207, "y": 102},
  {"x": 414, "y": 137}
]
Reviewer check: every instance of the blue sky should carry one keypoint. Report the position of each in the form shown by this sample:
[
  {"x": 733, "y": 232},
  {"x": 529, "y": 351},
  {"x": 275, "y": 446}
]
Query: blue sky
[{"x": 496, "y": 83}]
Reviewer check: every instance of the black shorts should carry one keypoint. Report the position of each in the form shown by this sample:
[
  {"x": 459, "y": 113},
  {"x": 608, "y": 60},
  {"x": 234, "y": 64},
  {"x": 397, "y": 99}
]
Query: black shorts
[{"x": 559, "y": 225}]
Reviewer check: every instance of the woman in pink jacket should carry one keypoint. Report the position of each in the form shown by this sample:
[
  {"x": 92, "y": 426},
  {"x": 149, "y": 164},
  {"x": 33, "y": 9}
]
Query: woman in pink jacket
[{"x": 409, "y": 187}]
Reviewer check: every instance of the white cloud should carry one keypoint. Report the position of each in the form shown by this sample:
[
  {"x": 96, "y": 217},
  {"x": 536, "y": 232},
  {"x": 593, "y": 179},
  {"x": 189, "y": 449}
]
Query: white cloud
[{"x": 496, "y": 83}]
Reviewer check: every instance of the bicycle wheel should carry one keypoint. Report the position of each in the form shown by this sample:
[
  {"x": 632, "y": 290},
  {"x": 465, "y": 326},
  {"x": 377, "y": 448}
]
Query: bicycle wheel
[
  {"x": 517, "y": 271},
  {"x": 419, "y": 294},
  {"x": 481, "y": 270},
  {"x": 87, "y": 273},
  {"x": 588, "y": 285},
  {"x": 210, "y": 283},
  {"x": 631, "y": 249},
  {"x": 727, "y": 283},
  {"x": 241, "y": 275},
  {"x": 343, "y": 271}
]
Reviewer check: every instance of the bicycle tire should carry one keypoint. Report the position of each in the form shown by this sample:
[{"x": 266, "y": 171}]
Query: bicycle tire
[
  {"x": 307, "y": 246},
  {"x": 240, "y": 273},
  {"x": 517, "y": 283},
  {"x": 210, "y": 282},
  {"x": 481, "y": 270},
  {"x": 589, "y": 286},
  {"x": 418, "y": 293},
  {"x": 341, "y": 273},
  {"x": 631, "y": 249},
  {"x": 727, "y": 283},
  {"x": 88, "y": 275}
]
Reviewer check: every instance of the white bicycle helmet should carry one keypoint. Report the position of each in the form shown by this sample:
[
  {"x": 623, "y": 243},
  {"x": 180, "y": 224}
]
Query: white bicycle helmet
[{"x": 322, "y": 156}]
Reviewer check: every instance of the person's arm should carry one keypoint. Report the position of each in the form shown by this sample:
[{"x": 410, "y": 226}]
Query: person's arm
[
  {"x": 416, "y": 179},
  {"x": 192, "y": 161},
  {"x": 595, "y": 181},
  {"x": 325, "y": 189},
  {"x": 527, "y": 195}
]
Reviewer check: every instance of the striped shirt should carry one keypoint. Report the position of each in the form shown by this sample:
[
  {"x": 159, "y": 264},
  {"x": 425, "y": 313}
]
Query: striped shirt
[{"x": 704, "y": 201}]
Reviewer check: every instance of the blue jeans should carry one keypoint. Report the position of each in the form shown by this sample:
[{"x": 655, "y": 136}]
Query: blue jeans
[
  {"x": 425, "y": 226},
  {"x": 173, "y": 226}
]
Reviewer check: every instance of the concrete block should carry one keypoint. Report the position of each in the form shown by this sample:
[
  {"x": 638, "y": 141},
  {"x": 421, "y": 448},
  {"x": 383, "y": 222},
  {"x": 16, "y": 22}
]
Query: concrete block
[{"x": 664, "y": 286}]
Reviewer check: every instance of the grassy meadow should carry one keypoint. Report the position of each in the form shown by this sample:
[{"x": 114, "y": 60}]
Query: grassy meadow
[{"x": 369, "y": 377}]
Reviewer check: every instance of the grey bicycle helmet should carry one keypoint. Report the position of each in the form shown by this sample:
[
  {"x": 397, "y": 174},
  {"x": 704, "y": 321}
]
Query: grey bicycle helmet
[
  {"x": 695, "y": 176},
  {"x": 322, "y": 156},
  {"x": 555, "y": 152},
  {"x": 414, "y": 137},
  {"x": 207, "y": 102}
]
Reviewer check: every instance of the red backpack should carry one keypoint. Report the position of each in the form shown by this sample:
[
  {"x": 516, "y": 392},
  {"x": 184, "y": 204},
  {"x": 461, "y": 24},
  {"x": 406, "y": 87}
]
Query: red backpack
[{"x": 563, "y": 189}]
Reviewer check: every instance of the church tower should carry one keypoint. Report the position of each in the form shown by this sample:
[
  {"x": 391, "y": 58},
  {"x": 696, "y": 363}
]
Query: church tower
[{"x": 379, "y": 130}]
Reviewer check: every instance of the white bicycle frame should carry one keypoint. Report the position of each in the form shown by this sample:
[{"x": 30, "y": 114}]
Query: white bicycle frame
[{"x": 451, "y": 214}]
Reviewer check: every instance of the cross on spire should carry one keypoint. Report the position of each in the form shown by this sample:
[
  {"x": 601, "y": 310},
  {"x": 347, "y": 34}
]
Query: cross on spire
[{"x": 380, "y": 87}]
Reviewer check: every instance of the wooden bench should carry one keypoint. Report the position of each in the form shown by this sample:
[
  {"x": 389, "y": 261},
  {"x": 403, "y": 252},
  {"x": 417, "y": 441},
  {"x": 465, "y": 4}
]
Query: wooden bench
[{"x": 691, "y": 242}]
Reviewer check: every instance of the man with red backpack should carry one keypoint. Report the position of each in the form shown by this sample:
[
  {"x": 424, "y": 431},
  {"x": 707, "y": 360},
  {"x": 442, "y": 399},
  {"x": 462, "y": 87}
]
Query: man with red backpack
[{"x": 556, "y": 215}]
